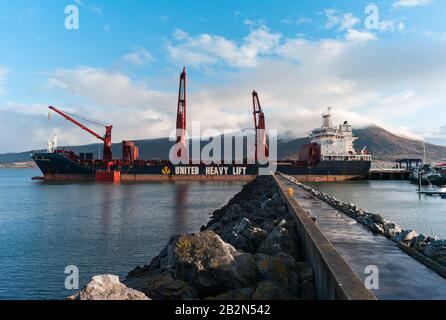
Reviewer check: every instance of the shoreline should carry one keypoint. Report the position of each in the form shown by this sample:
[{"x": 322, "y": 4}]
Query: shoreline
[{"x": 18, "y": 165}]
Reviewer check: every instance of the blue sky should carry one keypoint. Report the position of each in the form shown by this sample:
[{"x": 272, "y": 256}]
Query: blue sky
[{"x": 122, "y": 66}]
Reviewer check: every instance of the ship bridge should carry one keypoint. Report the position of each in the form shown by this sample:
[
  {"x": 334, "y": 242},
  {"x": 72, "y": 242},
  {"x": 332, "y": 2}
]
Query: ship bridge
[{"x": 336, "y": 143}]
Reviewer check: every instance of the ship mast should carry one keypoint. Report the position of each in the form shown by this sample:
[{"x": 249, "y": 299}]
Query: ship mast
[
  {"x": 180, "y": 151},
  {"x": 260, "y": 127}
]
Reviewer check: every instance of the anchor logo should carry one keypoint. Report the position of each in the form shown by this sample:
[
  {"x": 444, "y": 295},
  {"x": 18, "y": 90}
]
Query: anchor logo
[{"x": 166, "y": 170}]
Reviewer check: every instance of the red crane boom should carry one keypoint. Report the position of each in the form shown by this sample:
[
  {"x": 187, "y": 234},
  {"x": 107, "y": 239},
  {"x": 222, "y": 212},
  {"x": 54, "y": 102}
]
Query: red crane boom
[
  {"x": 259, "y": 124},
  {"x": 107, "y": 152},
  {"x": 181, "y": 112}
]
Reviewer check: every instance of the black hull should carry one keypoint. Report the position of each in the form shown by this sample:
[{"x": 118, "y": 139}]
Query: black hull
[
  {"x": 56, "y": 165},
  {"x": 329, "y": 168},
  {"x": 439, "y": 182}
]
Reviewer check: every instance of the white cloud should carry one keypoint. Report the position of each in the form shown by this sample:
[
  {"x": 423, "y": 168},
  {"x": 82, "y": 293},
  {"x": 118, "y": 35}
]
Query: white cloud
[
  {"x": 391, "y": 26},
  {"x": 299, "y": 21},
  {"x": 303, "y": 20},
  {"x": 359, "y": 36},
  {"x": 24, "y": 109},
  {"x": 248, "y": 22},
  {"x": 206, "y": 49},
  {"x": 297, "y": 78},
  {"x": 311, "y": 53},
  {"x": 3, "y": 73},
  {"x": 434, "y": 134},
  {"x": 410, "y": 3},
  {"x": 260, "y": 43},
  {"x": 140, "y": 57},
  {"x": 392, "y": 106},
  {"x": 368, "y": 82},
  {"x": 179, "y": 35},
  {"x": 107, "y": 88},
  {"x": 342, "y": 21},
  {"x": 135, "y": 110}
]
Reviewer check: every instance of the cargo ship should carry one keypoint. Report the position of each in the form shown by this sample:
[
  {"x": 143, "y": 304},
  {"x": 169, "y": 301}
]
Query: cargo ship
[{"x": 329, "y": 157}]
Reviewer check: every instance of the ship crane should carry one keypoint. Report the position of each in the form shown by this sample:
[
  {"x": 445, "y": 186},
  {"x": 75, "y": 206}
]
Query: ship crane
[
  {"x": 259, "y": 124},
  {"x": 181, "y": 116},
  {"x": 107, "y": 151}
]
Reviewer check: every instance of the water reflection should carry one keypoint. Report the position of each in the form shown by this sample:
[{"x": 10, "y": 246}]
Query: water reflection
[
  {"x": 180, "y": 209},
  {"x": 107, "y": 198},
  {"x": 100, "y": 228}
]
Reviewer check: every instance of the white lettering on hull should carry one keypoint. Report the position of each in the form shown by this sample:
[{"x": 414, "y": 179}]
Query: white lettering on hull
[
  {"x": 210, "y": 170},
  {"x": 187, "y": 170}
]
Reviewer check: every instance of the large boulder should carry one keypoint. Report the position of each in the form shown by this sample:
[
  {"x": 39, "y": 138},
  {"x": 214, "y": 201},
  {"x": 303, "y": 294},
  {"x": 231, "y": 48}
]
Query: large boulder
[
  {"x": 377, "y": 218},
  {"x": 406, "y": 236},
  {"x": 268, "y": 225},
  {"x": 267, "y": 290},
  {"x": 273, "y": 202},
  {"x": 224, "y": 218},
  {"x": 233, "y": 213},
  {"x": 108, "y": 287},
  {"x": 271, "y": 207},
  {"x": 419, "y": 243},
  {"x": 208, "y": 263},
  {"x": 245, "y": 236},
  {"x": 391, "y": 230},
  {"x": 161, "y": 286},
  {"x": 281, "y": 269},
  {"x": 436, "y": 250},
  {"x": 282, "y": 239},
  {"x": 376, "y": 228}
]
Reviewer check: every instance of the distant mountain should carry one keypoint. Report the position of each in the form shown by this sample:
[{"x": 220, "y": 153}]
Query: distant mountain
[
  {"x": 387, "y": 146},
  {"x": 382, "y": 144}
]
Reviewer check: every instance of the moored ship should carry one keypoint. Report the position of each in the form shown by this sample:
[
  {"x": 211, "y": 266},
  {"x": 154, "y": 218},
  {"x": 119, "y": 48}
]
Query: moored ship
[{"x": 329, "y": 157}]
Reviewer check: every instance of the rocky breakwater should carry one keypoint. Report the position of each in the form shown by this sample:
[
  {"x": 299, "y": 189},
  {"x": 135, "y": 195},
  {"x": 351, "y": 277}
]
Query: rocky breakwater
[
  {"x": 249, "y": 250},
  {"x": 429, "y": 246}
]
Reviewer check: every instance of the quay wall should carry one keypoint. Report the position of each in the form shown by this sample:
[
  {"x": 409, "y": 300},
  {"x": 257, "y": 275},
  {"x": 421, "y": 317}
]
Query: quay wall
[{"x": 334, "y": 279}]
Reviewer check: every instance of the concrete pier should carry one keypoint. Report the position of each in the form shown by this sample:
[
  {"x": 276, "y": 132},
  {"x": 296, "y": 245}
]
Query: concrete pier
[
  {"x": 400, "y": 276},
  {"x": 388, "y": 174}
]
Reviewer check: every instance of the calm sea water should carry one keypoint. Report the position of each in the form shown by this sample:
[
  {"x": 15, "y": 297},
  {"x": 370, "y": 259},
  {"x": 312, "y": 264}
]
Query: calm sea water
[
  {"x": 396, "y": 200},
  {"x": 100, "y": 228},
  {"x": 103, "y": 228}
]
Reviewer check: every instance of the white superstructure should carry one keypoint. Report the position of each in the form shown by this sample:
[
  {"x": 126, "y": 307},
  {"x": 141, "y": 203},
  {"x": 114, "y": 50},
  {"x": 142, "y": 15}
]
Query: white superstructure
[
  {"x": 52, "y": 144},
  {"x": 336, "y": 143}
]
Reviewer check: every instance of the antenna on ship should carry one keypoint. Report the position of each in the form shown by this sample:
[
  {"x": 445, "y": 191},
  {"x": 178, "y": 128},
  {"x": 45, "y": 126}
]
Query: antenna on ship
[{"x": 327, "y": 118}]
